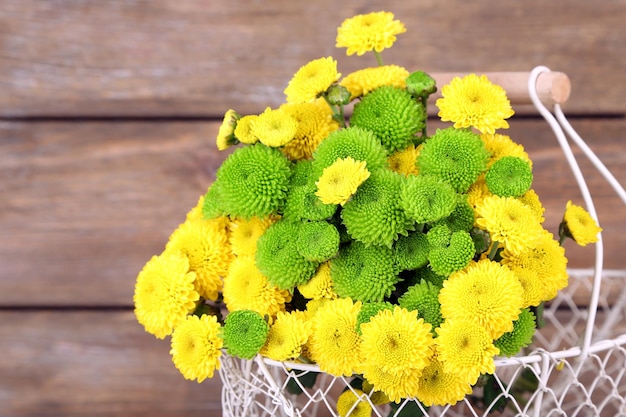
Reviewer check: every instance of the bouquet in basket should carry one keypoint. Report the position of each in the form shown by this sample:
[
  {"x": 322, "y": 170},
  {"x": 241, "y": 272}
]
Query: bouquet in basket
[{"x": 339, "y": 232}]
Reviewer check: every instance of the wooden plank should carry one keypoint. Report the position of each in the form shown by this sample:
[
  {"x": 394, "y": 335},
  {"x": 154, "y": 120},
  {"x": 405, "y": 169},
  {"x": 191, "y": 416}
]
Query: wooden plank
[
  {"x": 200, "y": 57},
  {"x": 83, "y": 363}
]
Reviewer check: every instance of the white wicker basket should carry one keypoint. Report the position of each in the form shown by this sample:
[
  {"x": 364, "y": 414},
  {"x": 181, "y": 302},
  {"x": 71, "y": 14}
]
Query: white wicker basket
[{"x": 576, "y": 366}]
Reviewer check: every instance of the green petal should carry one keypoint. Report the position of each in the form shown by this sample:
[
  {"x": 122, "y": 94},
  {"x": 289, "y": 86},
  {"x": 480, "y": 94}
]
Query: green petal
[
  {"x": 423, "y": 297},
  {"x": 521, "y": 335}
]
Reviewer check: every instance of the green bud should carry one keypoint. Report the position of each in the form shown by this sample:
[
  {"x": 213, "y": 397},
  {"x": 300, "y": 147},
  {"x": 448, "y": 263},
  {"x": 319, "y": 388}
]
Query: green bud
[
  {"x": 338, "y": 95},
  {"x": 420, "y": 84}
]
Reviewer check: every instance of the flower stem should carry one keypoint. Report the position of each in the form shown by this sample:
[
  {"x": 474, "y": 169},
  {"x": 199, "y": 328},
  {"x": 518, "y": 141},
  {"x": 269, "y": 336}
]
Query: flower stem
[
  {"x": 425, "y": 105},
  {"x": 379, "y": 58},
  {"x": 494, "y": 250}
]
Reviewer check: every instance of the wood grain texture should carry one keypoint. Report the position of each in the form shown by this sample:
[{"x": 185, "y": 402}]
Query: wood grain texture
[
  {"x": 86, "y": 204},
  {"x": 200, "y": 57}
]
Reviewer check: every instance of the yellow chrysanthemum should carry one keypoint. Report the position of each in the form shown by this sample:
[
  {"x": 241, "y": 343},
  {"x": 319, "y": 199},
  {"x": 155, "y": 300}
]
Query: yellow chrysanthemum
[
  {"x": 473, "y": 101},
  {"x": 340, "y": 180},
  {"x": 403, "y": 162},
  {"x": 466, "y": 349},
  {"x": 225, "y": 133},
  {"x": 502, "y": 145},
  {"x": 440, "y": 387},
  {"x": 508, "y": 221},
  {"x": 478, "y": 191},
  {"x": 245, "y": 233},
  {"x": 287, "y": 336},
  {"x": 376, "y": 397},
  {"x": 245, "y": 288},
  {"x": 353, "y": 402},
  {"x": 396, "y": 340},
  {"x": 164, "y": 293},
  {"x": 363, "y": 81},
  {"x": 334, "y": 343},
  {"x": 196, "y": 347},
  {"x": 485, "y": 293},
  {"x": 368, "y": 32},
  {"x": 396, "y": 385},
  {"x": 542, "y": 270},
  {"x": 205, "y": 243},
  {"x": 243, "y": 131},
  {"x": 274, "y": 128},
  {"x": 315, "y": 123},
  {"x": 531, "y": 199},
  {"x": 320, "y": 285},
  {"x": 579, "y": 225},
  {"x": 312, "y": 80}
]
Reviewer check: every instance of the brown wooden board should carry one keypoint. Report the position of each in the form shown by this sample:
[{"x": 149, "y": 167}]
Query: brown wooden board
[
  {"x": 200, "y": 57},
  {"x": 84, "y": 205}
]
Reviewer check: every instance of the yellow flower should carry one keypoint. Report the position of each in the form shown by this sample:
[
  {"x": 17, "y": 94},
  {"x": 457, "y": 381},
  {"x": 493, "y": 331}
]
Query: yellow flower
[
  {"x": 478, "y": 191},
  {"x": 353, "y": 402},
  {"x": 485, "y": 293},
  {"x": 396, "y": 385},
  {"x": 363, "y": 81},
  {"x": 245, "y": 233},
  {"x": 334, "y": 343},
  {"x": 225, "y": 133},
  {"x": 287, "y": 336},
  {"x": 205, "y": 243},
  {"x": 164, "y": 293},
  {"x": 440, "y": 387},
  {"x": 196, "y": 347},
  {"x": 315, "y": 123},
  {"x": 366, "y": 32},
  {"x": 312, "y": 80},
  {"x": 403, "y": 162},
  {"x": 473, "y": 101},
  {"x": 396, "y": 340},
  {"x": 508, "y": 221},
  {"x": 465, "y": 348},
  {"x": 579, "y": 225},
  {"x": 274, "y": 128},
  {"x": 245, "y": 288},
  {"x": 531, "y": 199},
  {"x": 243, "y": 131},
  {"x": 502, "y": 145},
  {"x": 340, "y": 180},
  {"x": 320, "y": 285}
]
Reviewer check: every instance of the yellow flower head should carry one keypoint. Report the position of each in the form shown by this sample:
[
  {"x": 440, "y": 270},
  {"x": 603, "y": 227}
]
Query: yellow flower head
[
  {"x": 312, "y": 80},
  {"x": 485, "y": 293},
  {"x": 478, "y": 191},
  {"x": 353, "y": 402},
  {"x": 225, "y": 133},
  {"x": 363, "y": 81},
  {"x": 579, "y": 225},
  {"x": 403, "y": 162},
  {"x": 369, "y": 32},
  {"x": 274, "y": 128},
  {"x": 164, "y": 293},
  {"x": 465, "y": 348},
  {"x": 334, "y": 343},
  {"x": 531, "y": 199},
  {"x": 502, "y": 145},
  {"x": 196, "y": 347},
  {"x": 473, "y": 101},
  {"x": 245, "y": 288},
  {"x": 243, "y": 131},
  {"x": 440, "y": 387},
  {"x": 320, "y": 285},
  {"x": 340, "y": 180},
  {"x": 287, "y": 337},
  {"x": 245, "y": 233},
  {"x": 395, "y": 385}
]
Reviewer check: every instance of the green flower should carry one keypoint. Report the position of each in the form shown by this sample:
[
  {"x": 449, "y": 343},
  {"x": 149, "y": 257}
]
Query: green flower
[
  {"x": 317, "y": 241},
  {"x": 253, "y": 181},
  {"x": 373, "y": 215},
  {"x": 411, "y": 251},
  {"x": 364, "y": 273},
  {"x": 392, "y": 114},
  {"x": 426, "y": 198},
  {"x": 211, "y": 203},
  {"x": 461, "y": 218},
  {"x": 420, "y": 84},
  {"x": 521, "y": 335},
  {"x": 301, "y": 202},
  {"x": 439, "y": 236},
  {"x": 277, "y": 256},
  {"x": 509, "y": 176},
  {"x": 244, "y": 333},
  {"x": 457, "y": 156},
  {"x": 369, "y": 310},
  {"x": 445, "y": 260},
  {"x": 423, "y": 297}
]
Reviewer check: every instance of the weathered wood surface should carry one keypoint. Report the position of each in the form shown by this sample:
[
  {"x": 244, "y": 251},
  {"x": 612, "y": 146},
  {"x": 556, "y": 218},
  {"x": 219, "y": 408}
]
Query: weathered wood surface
[{"x": 199, "y": 57}]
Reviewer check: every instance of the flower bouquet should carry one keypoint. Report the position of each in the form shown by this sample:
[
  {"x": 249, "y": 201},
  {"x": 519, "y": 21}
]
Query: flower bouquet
[{"x": 339, "y": 234}]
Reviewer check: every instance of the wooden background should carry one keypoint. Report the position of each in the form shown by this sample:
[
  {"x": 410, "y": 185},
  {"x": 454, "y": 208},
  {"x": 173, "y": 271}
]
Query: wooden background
[{"x": 108, "y": 117}]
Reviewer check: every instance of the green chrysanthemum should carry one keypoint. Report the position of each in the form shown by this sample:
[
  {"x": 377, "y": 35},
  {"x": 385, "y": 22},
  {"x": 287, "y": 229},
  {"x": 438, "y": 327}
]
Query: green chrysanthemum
[
  {"x": 462, "y": 217},
  {"x": 244, "y": 333},
  {"x": 374, "y": 215},
  {"x": 360, "y": 144},
  {"x": 420, "y": 84},
  {"x": 522, "y": 334},
  {"x": 423, "y": 297},
  {"x": 439, "y": 236},
  {"x": 212, "y": 203},
  {"x": 364, "y": 273},
  {"x": 301, "y": 202},
  {"x": 253, "y": 181},
  {"x": 456, "y": 255},
  {"x": 509, "y": 176},
  {"x": 426, "y": 198},
  {"x": 317, "y": 241},
  {"x": 277, "y": 256},
  {"x": 369, "y": 310},
  {"x": 392, "y": 114},
  {"x": 457, "y": 156},
  {"x": 411, "y": 251}
]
